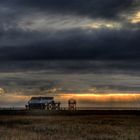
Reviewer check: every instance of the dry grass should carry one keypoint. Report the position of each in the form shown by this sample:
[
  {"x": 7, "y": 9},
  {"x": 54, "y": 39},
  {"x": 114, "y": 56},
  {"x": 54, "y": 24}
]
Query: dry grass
[{"x": 70, "y": 128}]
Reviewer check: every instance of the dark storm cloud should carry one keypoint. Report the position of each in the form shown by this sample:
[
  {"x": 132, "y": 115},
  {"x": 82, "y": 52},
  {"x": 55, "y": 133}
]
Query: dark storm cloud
[
  {"x": 69, "y": 46},
  {"x": 79, "y": 44},
  {"x": 92, "y": 8},
  {"x": 35, "y": 43}
]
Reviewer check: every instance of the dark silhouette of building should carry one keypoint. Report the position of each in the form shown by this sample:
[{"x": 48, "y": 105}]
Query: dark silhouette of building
[
  {"x": 43, "y": 103},
  {"x": 72, "y": 104}
]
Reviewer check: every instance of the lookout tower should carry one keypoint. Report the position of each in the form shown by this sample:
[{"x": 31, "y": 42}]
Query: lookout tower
[{"x": 72, "y": 104}]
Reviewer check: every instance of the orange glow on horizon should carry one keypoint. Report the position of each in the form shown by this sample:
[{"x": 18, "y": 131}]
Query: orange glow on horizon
[
  {"x": 116, "y": 97},
  {"x": 83, "y": 99}
]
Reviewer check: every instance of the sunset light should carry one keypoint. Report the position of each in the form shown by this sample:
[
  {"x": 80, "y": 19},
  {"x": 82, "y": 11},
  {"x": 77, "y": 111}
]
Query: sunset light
[
  {"x": 136, "y": 18},
  {"x": 116, "y": 97}
]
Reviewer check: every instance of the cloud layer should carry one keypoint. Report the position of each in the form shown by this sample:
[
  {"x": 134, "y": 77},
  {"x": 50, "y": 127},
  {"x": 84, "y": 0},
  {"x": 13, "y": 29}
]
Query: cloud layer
[
  {"x": 92, "y": 8},
  {"x": 90, "y": 36},
  {"x": 75, "y": 44},
  {"x": 76, "y": 29}
]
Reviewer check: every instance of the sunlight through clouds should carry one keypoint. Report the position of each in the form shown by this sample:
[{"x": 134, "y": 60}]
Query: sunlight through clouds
[
  {"x": 78, "y": 46},
  {"x": 136, "y": 18},
  {"x": 2, "y": 91},
  {"x": 104, "y": 24}
]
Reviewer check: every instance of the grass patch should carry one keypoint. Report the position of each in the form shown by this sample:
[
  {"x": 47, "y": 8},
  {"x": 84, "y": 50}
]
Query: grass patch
[{"x": 70, "y": 127}]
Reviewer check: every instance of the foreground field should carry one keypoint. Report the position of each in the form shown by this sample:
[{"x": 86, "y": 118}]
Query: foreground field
[{"x": 107, "y": 127}]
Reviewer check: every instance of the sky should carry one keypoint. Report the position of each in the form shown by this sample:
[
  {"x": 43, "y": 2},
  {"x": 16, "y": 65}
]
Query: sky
[{"x": 61, "y": 48}]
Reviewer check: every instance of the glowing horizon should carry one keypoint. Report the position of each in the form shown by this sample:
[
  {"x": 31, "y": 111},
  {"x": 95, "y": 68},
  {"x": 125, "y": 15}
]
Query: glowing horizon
[
  {"x": 84, "y": 99},
  {"x": 103, "y": 96}
]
